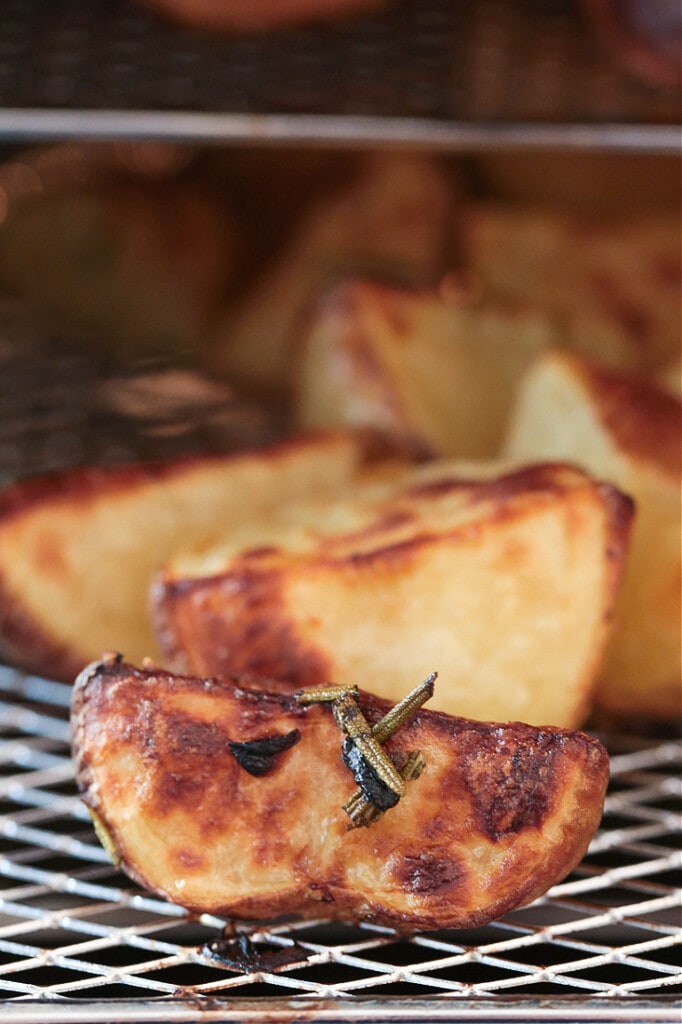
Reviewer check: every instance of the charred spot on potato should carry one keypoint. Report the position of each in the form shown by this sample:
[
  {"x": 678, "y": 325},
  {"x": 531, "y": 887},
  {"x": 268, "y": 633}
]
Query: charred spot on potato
[
  {"x": 426, "y": 873},
  {"x": 176, "y": 789},
  {"x": 187, "y": 737},
  {"x": 522, "y": 773},
  {"x": 258, "y": 757}
]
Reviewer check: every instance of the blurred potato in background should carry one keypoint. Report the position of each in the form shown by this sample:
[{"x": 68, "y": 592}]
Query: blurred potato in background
[{"x": 393, "y": 218}]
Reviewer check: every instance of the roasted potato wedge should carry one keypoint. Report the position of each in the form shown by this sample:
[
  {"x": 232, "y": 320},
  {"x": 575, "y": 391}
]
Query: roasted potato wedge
[
  {"x": 500, "y": 813},
  {"x": 627, "y": 431},
  {"x": 425, "y": 364},
  {"x": 394, "y": 217},
  {"x": 613, "y": 287},
  {"x": 507, "y": 582},
  {"x": 78, "y": 550}
]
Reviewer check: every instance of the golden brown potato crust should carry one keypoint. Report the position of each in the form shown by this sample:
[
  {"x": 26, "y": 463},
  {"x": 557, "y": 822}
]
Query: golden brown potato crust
[{"x": 500, "y": 814}]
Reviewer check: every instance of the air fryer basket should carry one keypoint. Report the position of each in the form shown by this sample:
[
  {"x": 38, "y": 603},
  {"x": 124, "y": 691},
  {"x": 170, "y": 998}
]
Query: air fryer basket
[
  {"x": 78, "y": 940},
  {"x": 432, "y": 72}
]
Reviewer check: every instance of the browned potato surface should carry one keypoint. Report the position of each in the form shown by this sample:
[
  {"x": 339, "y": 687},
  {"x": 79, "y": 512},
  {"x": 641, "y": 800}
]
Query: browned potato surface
[
  {"x": 506, "y": 580},
  {"x": 421, "y": 363},
  {"x": 78, "y": 550},
  {"x": 500, "y": 813},
  {"x": 629, "y": 431}
]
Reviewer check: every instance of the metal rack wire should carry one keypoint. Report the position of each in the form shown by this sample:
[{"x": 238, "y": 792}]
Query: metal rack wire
[
  {"x": 74, "y": 931},
  {"x": 430, "y": 72}
]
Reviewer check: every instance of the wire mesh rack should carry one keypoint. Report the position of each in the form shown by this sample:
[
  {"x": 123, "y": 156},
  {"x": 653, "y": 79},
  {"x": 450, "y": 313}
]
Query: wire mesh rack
[
  {"x": 75, "y": 935},
  {"x": 521, "y": 72}
]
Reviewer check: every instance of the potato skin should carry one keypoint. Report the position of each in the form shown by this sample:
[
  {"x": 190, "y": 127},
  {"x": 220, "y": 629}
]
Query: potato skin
[{"x": 501, "y": 813}]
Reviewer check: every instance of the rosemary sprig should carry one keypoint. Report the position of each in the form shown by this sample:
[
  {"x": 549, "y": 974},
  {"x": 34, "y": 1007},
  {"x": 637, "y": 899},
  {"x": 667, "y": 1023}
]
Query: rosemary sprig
[{"x": 381, "y": 784}]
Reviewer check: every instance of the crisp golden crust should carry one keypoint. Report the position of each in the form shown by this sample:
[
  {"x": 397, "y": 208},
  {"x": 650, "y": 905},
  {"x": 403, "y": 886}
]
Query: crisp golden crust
[{"x": 500, "y": 814}]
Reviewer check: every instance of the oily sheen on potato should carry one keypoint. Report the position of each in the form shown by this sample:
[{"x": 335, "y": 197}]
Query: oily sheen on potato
[
  {"x": 505, "y": 580},
  {"x": 78, "y": 550},
  {"x": 499, "y": 814},
  {"x": 626, "y": 430}
]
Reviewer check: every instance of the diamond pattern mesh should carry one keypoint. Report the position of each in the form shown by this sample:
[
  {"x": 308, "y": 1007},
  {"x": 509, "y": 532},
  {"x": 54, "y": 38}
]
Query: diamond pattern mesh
[{"x": 72, "y": 927}]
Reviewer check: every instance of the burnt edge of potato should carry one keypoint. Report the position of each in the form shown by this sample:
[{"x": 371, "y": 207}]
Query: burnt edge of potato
[{"x": 513, "y": 778}]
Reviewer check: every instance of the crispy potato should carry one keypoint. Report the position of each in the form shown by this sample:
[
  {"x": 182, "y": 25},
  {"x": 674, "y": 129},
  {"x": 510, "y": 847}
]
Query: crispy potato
[
  {"x": 499, "y": 814},
  {"x": 141, "y": 266},
  {"x": 394, "y": 218},
  {"x": 506, "y": 584},
  {"x": 613, "y": 287},
  {"x": 78, "y": 550},
  {"x": 627, "y": 431},
  {"x": 417, "y": 363}
]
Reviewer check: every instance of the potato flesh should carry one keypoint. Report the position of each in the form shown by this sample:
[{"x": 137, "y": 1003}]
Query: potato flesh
[
  {"x": 562, "y": 412},
  {"x": 499, "y": 814},
  {"x": 506, "y": 586}
]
